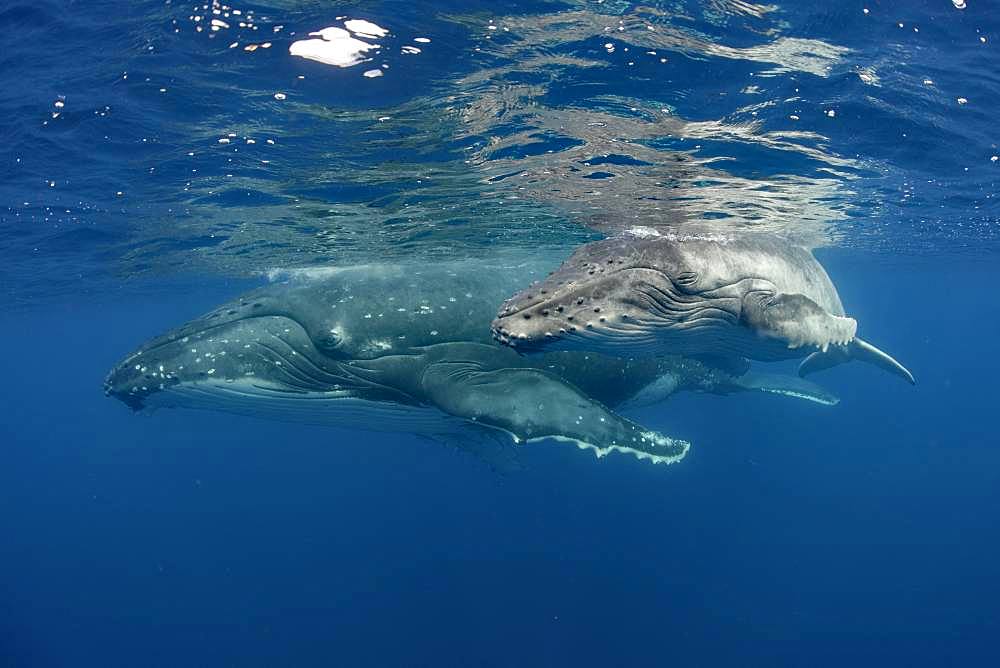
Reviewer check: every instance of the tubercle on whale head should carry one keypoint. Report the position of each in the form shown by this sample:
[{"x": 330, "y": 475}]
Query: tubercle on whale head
[{"x": 593, "y": 296}]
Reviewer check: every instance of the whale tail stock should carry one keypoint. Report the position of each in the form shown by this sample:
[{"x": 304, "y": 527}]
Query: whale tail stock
[{"x": 857, "y": 349}]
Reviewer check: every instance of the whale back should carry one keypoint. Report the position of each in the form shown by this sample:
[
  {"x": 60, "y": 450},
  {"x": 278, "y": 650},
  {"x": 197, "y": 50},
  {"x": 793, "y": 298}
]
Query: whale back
[{"x": 368, "y": 311}]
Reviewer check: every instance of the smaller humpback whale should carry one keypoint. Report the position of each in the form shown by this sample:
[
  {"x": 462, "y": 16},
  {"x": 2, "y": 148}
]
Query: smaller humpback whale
[
  {"x": 408, "y": 349},
  {"x": 755, "y": 297}
]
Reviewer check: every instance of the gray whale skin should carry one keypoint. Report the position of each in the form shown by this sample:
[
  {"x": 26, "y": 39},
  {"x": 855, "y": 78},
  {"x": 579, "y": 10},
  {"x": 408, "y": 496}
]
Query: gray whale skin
[
  {"x": 755, "y": 297},
  {"x": 409, "y": 349}
]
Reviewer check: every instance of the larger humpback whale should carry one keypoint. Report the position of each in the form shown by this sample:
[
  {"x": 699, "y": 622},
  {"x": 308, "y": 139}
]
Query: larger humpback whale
[
  {"x": 754, "y": 297},
  {"x": 408, "y": 348}
]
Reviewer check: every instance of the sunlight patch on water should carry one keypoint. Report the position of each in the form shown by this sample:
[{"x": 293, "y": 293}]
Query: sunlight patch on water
[
  {"x": 364, "y": 28},
  {"x": 344, "y": 47},
  {"x": 335, "y": 46}
]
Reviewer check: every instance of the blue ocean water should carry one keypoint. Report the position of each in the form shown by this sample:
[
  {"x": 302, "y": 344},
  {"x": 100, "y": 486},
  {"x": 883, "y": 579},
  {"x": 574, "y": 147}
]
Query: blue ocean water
[{"x": 153, "y": 167}]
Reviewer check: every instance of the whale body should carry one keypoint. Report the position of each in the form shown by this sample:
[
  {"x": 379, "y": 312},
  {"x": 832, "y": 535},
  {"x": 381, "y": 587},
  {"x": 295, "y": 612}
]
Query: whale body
[
  {"x": 756, "y": 297},
  {"x": 408, "y": 348}
]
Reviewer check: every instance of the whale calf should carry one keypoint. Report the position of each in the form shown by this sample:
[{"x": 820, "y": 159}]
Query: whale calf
[
  {"x": 755, "y": 297},
  {"x": 408, "y": 348}
]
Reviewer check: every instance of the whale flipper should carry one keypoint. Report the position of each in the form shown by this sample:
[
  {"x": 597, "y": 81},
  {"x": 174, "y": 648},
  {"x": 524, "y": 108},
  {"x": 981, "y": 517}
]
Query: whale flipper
[
  {"x": 789, "y": 386},
  {"x": 796, "y": 319},
  {"x": 857, "y": 349},
  {"x": 531, "y": 404},
  {"x": 866, "y": 352}
]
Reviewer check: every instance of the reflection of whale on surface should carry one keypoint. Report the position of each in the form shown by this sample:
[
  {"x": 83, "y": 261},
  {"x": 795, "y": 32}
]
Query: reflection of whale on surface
[
  {"x": 756, "y": 297},
  {"x": 408, "y": 348}
]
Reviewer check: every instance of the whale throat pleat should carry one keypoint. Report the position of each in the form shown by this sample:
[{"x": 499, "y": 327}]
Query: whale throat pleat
[{"x": 332, "y": 408}]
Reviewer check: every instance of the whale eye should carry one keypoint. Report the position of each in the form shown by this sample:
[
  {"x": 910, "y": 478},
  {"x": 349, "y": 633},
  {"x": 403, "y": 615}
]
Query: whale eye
[{"x": 328, "y": 340}]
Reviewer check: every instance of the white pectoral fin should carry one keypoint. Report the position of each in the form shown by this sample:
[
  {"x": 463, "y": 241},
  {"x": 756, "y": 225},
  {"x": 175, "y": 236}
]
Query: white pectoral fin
[
  {"x": 797, "y": 320},
  {"x": 857, "y": 349},
  {"x": 800, "y": 322},
  {"x": 866, "y": 352}
]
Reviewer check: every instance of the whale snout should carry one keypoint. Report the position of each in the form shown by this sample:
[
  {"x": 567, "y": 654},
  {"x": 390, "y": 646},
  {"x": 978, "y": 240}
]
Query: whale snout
[
  {"x": 125, "y": 393},
  {"x": 506, "y": 334},
  {"x": 134, "y": 380},
  {"x": 529, "y": 323},
  {"x": 229, "y": 359}
]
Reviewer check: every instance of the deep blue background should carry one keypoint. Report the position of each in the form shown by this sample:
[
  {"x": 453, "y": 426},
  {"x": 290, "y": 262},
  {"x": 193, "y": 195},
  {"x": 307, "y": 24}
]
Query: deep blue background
[{"x": 792, "y": 534}]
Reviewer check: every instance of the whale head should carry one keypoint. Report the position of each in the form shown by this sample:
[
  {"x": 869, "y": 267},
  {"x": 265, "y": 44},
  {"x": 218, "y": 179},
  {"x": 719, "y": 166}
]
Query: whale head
[
  {"x": 248, "y": 349},
  {"x": 758, "y": 297}
]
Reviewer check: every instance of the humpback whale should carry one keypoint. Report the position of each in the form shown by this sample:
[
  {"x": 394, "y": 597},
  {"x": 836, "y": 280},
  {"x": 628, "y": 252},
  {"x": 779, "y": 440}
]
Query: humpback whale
[
  {"x": 754, "y": 297},
  {"x": 408, "y": 348}
]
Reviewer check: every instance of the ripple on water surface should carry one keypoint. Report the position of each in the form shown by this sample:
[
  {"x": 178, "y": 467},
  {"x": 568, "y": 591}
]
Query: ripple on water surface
[{"x": 229, "y": 138}]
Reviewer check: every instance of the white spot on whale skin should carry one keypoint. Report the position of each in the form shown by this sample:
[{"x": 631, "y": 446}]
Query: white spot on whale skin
[{"x": 377, "y": 345}]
